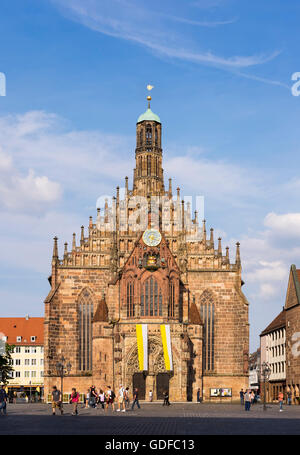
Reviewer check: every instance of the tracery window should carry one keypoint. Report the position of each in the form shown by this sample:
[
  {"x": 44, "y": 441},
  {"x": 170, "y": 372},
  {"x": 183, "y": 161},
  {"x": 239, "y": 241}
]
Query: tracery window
[
  {"x": 130, "y": 300},
  {"x": 207, "y": 313},
  {"x": 85, "y": 313},
  {"x": 151, "y": 298}
]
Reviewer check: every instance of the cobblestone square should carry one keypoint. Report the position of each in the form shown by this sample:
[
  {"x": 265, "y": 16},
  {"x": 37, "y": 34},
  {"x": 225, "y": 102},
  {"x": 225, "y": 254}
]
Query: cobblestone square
[{"x": 152, "y": 419}]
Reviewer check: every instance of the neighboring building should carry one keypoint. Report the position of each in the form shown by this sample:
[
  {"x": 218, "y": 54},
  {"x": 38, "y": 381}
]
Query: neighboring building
[
  {"x": 273, "y": 352},
  {"x": 27, "y": 335},
  {"x": 254, "y": 370},
  {"x": 166, "y": 273},
  {"x": 292, "y": 311}
]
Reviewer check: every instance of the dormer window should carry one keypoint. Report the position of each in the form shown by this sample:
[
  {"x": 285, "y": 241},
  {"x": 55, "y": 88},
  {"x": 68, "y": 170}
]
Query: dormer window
[
  {"x": 19, "y": 339},
  {"x": 32, "y": 339}
]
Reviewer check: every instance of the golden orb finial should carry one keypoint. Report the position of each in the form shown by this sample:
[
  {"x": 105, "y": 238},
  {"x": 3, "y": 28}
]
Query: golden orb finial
[{"x": 149, "y": 88}]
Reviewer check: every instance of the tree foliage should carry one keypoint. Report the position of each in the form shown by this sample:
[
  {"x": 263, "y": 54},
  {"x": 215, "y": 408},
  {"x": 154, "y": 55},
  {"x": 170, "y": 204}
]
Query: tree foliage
[{"x": 5, "y": 364}]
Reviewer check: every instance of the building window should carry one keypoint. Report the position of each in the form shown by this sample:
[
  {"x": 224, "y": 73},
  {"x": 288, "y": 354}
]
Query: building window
[
  {"x": 148, "y": 135},
  {"x": 18, "y": 374},
  {"x": 19, "y": 339},
  {"x": 42, "y": 349},
  {"x": 33, "y": 374},
  {"x": 207, "y": 310},
  {"x": 130, "y": 300},
  {"x": 27, "y": 349},
  {"x": 42, "y": 374},
  {"x": 33, "y": 361},
  {"x": 41, "y": 361},
  {"x": 171, "y": 307},
  {"x": 33, "y": 350},
  {"x": 17, "y": 349},
  {"x": 27, "y": 361},
  {"x": 151, "y": 298},
  {"x": 17, "y": 361},
  {"x": 32, "y": 339},
  {"x": 86, "y": 312},
  {"x": 27, "y": 374}
]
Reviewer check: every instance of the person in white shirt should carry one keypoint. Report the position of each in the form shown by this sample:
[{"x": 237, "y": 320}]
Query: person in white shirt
[
  {"x": 121, "y": 400},
  {"x": 150, "y": 395}
]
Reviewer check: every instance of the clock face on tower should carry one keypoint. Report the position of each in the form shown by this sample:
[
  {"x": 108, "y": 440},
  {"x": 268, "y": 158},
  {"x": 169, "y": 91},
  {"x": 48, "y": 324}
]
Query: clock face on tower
[{"x": 152, "y": 237}]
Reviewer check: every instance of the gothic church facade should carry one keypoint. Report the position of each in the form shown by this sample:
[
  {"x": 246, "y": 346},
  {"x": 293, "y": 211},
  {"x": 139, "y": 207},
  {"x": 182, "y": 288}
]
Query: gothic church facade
[{"x": 118, "y": 277}]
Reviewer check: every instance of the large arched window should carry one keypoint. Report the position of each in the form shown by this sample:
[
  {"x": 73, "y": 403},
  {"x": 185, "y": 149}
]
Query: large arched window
[
  {"x": 85, "y": 313},
  {"x": 151, "y": 298},
  {"x": 207, "y": 313},
  {"x": 130, "y": 300}
]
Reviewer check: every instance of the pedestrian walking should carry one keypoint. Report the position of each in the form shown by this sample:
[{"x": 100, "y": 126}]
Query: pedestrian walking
[
  {"x": 93, "y": 396},
  {"x": 87, "y": 398},
  {"x": 252, "y": 396},
  {"x": 56, "y": 400},
  {"x": 247, "y": 398},
  {"x": 150, "y": 396},
  {"x": 110, "y": 398},
  {"x": 135, "y": 399},
  {"x": 102, "y": 398},
  {"x": 166, "y": 399},
  {"x": 289, "y": 398},
  {"x": 74, "y": 401},
  {"x": 198, "y": 396},
  {"x": 3, "y": 400},
  {"x": 242, "y": 396},
  {"x": 126, "y": 397},
  {"x": 121, "y": 400},
  {"x": 280, "y": 399}
]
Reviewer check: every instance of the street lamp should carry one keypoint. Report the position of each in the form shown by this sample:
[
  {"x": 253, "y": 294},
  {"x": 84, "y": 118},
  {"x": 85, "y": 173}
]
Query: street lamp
[
  {"x": 265, "y": 371},
  {"x": 62, "y": 370}
]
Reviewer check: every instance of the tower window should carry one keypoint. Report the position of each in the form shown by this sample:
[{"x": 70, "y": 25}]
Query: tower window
[{"x": 148, "y": 134}]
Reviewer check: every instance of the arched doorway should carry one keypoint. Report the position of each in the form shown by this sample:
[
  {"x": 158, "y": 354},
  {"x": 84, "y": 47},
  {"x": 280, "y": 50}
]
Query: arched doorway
[
  {"x": 139, "y": 382},
  {"x": 162, "y": 385}
]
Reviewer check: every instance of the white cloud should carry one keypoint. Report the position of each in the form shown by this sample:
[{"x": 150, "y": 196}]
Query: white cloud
[
  {"x": 25, "y": 192},
  {"x": 129, "y": 20},
  {"x": 287, "y": 224}
]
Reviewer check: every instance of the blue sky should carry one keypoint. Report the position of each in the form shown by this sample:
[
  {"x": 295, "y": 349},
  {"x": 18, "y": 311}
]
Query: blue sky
[{"x": 76, "y": 75}]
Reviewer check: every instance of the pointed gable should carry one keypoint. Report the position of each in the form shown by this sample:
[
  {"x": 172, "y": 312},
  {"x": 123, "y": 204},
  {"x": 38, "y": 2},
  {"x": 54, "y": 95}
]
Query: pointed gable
[
  {"x": 101, "y": 314},
  {"x": 293, "y": 291},
  {"x": 194, "y": 316}
]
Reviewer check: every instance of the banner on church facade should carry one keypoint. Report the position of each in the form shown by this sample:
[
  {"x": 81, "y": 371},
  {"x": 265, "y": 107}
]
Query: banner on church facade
[
  {"x": 166, "y": 342},
  {"x": 142, "y": 344}
]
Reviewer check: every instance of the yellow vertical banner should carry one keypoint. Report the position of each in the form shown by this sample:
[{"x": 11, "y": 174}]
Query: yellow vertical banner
[
  {"x": 142, "y": 344},
  {"x": 166, "y": 342}
]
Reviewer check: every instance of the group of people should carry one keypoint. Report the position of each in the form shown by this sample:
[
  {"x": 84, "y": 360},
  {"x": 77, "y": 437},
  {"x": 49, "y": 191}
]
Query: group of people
[
  {"x": 248, "y": 398},
  {"x": 93, "y": 398},
  {"x": 105, "y": 398}
]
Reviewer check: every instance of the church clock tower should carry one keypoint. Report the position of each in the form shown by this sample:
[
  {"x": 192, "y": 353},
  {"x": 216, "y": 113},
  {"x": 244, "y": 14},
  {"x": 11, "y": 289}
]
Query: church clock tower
[{"x": 148, "y": 174}]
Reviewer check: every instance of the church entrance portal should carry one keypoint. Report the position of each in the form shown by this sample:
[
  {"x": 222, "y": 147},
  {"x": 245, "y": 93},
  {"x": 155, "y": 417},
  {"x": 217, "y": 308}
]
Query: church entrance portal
[
  {"x": 162, "y": 385},
  {"x": 139, "y": 382}
]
